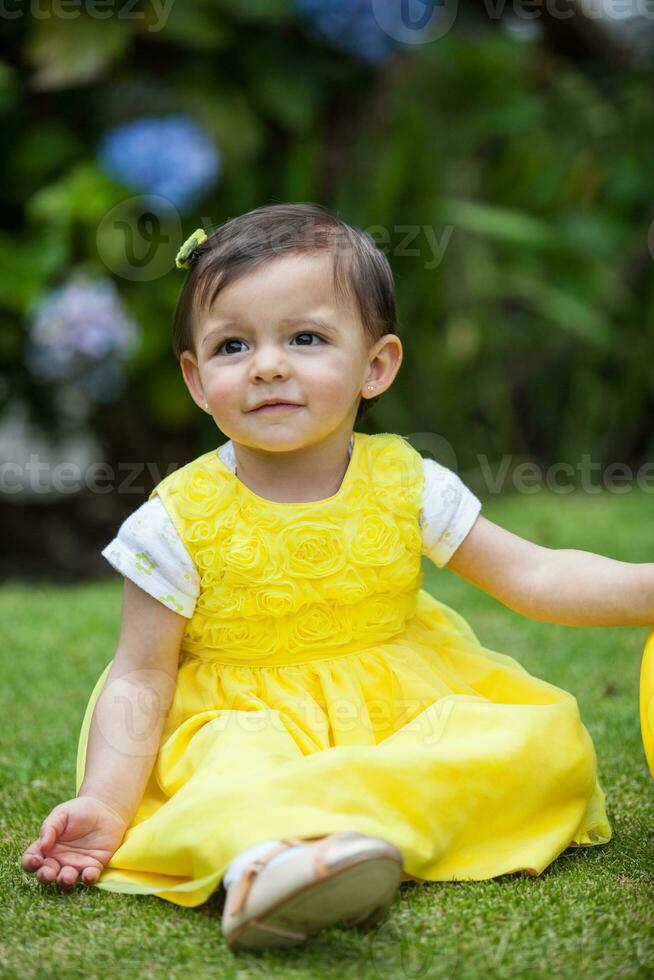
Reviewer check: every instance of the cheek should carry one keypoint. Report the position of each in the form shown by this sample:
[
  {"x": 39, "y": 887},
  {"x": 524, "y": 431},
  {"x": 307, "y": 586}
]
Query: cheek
[
  {"x": 329, "y": 383},
  {"x": 224, "y": 386}
]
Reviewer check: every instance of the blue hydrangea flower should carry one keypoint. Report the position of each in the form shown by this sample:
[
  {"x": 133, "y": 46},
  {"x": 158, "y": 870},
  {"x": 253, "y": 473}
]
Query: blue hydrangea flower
[
  {"x": 171, "y": 156},
  {"x": 351, "y": 25},
  {"x": 78, "y": 332}
]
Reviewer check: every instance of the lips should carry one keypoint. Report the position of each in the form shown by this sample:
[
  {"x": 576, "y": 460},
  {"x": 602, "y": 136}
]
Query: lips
[{"x": 273, "y": 403}]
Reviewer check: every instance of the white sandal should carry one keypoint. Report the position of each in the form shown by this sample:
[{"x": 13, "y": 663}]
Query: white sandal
[{"x": 344, "y": 877}]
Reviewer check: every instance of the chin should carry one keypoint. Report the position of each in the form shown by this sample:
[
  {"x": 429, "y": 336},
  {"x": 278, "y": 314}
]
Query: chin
[{"x": 274, "y": 437}]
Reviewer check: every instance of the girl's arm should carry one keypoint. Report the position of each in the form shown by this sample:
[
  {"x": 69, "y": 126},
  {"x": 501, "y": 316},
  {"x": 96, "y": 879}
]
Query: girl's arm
[
  {"x": 130, "y": 712},
  {"x": 557, "y": 585}
]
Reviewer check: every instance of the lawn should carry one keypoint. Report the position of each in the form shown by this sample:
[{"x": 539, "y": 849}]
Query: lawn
[{"x": 591, "y": 913}]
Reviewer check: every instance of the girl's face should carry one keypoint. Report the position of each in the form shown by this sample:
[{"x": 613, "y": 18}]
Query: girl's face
[{"x": 279, "y": 332}]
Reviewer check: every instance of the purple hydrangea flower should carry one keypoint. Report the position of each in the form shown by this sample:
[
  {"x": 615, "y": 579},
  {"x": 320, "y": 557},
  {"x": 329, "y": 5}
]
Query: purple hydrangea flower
[
  {"x": 352, "y": 26},
  {"x": 171, "y": 156},
  {"x": 77, "y": 333}
]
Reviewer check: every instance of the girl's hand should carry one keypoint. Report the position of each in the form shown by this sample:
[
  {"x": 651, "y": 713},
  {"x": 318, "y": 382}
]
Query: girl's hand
[{"x": 77, "y": 838}]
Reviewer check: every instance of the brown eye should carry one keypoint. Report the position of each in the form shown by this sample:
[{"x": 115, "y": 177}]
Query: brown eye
[
  {"x": 230, "y": 340},
  {"x": 235, "y": 340}
]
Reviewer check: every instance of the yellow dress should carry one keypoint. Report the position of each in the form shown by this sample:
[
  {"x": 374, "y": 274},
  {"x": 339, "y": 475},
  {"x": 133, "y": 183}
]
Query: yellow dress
[{"x": 321, "y": 689}]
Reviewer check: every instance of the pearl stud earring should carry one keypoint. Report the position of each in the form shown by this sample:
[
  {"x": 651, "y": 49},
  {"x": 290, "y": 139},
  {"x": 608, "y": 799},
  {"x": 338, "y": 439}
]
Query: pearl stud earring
[{"x": 370, "y": 387}]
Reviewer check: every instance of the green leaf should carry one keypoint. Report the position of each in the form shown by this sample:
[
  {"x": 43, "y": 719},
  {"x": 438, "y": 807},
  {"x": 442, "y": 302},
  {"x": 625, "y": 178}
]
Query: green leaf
[
  {"x": 195, "y": 24},
  {"x": 67, "y": 52},
  {"x": 562, "y": 308},
  {"x": 85, "y": 194},
  {"x": 22, "y": 272},
  {"x": 592, "y": 233},
  {"x": 503, "y": 224}
]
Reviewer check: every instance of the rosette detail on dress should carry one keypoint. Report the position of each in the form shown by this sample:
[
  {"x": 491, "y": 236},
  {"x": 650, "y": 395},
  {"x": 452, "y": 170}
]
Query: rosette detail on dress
[{"x": 301, "y": 579}]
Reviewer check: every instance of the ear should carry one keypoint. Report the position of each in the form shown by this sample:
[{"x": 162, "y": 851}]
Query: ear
[
  {"x": 191, "y": 375},
  {"x": 385, "y": 359}
]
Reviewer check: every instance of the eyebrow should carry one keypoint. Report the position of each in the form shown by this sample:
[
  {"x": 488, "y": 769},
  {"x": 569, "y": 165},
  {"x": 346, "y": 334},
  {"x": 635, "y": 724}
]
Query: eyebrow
[{"x": 235, "y": 325}]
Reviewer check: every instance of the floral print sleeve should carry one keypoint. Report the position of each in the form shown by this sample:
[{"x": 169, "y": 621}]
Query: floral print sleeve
[
  {"x": 449, "y": 510},
  {"x": 149, "y": 551}
]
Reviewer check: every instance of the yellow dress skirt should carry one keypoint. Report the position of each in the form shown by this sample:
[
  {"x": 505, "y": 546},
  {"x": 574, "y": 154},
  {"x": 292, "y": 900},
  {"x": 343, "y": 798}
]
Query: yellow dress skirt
[{"x": 454, "y": 752}]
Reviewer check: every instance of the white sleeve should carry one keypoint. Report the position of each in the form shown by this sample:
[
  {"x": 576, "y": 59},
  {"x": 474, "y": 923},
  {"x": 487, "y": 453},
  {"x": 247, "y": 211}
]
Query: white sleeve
[
  {"x": 449, "y": 509},
  {"x": 150, "y": 552}
]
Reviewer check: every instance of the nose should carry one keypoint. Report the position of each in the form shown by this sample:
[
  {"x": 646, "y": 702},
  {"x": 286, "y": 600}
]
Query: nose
[{"x": 268, "y": 363}]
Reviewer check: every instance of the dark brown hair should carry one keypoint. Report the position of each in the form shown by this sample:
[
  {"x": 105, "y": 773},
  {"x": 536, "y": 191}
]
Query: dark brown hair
[{"x": 251, "y": 239}]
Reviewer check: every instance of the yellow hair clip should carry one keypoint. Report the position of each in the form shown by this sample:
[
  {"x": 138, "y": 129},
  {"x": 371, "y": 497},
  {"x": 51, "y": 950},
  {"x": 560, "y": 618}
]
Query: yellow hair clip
[{"x": 183, "y": 257}]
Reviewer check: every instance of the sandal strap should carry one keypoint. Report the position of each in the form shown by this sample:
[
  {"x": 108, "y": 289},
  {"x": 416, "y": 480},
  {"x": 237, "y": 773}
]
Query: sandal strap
[
  {"x": 319, "y": 863},
  {"x": 244, "y": 883}
]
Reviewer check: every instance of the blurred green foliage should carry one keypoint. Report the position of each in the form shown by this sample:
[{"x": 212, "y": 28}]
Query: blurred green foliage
[{"x": 509, "y": 187}]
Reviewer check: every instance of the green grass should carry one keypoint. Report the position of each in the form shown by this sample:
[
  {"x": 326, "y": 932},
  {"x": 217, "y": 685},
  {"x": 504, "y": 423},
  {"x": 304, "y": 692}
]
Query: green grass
[{"x": 589, "y": 914}]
